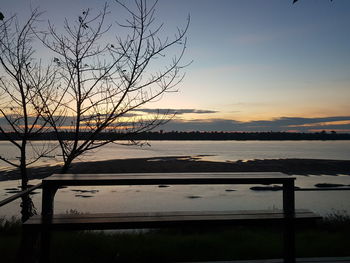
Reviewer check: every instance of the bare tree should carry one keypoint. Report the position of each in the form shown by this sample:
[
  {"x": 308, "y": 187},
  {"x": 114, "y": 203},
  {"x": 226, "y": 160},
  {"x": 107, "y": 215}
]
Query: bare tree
[
  {"x": 102, "y": 83},
  {"x": 22, "y": 79}
]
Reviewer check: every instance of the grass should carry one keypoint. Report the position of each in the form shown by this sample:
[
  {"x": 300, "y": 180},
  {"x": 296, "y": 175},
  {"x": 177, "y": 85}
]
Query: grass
[
  {"x": 168, "y": 245},
  {"x": 328, "y": 238},
  {"x": 10, "y": 232}
]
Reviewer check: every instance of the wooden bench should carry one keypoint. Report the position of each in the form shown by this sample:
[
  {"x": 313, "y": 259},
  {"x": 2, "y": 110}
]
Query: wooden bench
[
  {"x": 164, "y": 219},
  {"x": 49, "y": 221}
]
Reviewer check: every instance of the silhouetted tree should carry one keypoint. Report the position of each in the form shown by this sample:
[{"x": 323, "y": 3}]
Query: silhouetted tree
[
  {"x": 22, "y": 79},
  {"x": 102, "y": 83}
]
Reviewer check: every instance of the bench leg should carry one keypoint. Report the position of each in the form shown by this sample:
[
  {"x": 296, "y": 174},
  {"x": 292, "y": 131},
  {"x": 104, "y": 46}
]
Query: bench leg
[
  {"x": 45, "y": 244},
  {"x": 48, "y": 196},
  {"x": 28, "y": 246},
  {"x": 289, "y": 241},
  {"x": 289, "y": 199},
  {"x": 31, "y": 248}
]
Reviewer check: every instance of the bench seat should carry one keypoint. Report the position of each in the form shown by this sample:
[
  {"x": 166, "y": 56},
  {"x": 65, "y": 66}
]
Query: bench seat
[{"x": 163, "y": 219}]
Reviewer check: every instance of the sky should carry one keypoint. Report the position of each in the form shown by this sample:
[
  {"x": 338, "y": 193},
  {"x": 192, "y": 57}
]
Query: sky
[{"x": 256, "y": 65}]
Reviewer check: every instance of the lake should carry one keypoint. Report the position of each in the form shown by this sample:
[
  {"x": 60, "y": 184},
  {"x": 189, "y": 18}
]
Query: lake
[
  {"x": 210, "y": 150},
  {"x": 154, "y": 198}
]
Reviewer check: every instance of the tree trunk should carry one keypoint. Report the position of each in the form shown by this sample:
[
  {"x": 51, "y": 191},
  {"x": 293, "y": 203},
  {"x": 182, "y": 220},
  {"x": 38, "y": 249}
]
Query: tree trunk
[
  {"x": 67, "y": 165},
  {"x": 27, "y": 206},
  {"x": 24, "y": 174}
]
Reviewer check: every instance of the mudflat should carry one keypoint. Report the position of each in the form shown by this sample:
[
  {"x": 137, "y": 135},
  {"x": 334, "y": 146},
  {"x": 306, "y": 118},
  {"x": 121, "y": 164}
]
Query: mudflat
[{"x": 192, "y": 164}]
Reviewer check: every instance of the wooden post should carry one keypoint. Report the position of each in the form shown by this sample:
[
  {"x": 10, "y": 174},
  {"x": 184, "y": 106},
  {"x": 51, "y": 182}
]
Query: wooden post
[
  {"x": 48, "y": 196},
  {"x": 289, "y": 227},
  {"x": 28, "y": 247},
  {"x": 289, "y": 240},
  {"x": 288, "y": 198},
  {"x": 45, "y": 243}
]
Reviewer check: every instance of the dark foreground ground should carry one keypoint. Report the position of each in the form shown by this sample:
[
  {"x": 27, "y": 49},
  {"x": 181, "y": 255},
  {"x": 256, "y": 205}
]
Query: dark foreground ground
[
  {"x": 194, "y": 164},
  {"x": 328, "y": 238}
]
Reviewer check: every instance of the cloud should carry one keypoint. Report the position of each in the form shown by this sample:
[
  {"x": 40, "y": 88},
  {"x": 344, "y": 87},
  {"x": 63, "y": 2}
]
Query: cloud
[
  {"x": 338, "y": 123},
  {"x": 175, "y": 111},
  {"x": 295, "y": 124}
]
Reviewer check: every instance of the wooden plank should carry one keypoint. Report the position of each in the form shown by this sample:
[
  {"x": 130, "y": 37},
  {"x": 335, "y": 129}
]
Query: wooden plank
[
  {"x": 20, "y": 194},
  {"x": 167, "y": 178},
  {"x": 166, "y": 219},
  {"x": 132, "y": 214},
  {"x": 165, "y": 175},
  {"x": 238, "y": 174}
]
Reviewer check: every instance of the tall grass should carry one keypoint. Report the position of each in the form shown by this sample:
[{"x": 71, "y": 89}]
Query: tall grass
[{"x": 10, "y": 226}]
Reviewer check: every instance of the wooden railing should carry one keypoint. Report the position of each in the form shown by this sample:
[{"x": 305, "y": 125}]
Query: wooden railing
[{"x": 20, "y": 194}]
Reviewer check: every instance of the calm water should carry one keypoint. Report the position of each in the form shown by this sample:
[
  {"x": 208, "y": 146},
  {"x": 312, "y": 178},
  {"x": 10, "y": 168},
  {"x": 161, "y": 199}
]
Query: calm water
[
  {"x": 154, "y": 198},
  {"x": 214, "y": 150},
  {"x": 184, "y": 198}
]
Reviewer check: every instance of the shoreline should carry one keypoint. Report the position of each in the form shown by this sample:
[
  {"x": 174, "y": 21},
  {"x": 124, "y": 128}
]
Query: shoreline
[{"x": 291, "y": 166}]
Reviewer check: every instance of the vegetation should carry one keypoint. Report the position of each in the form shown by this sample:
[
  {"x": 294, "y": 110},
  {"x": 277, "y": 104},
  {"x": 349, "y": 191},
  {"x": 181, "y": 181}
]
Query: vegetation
[{"x": 329, "y": 238}]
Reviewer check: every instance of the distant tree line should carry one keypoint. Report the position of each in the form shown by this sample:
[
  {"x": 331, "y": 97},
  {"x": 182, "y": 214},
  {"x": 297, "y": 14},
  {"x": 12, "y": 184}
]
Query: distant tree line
[{"x": 194, "y": 135}]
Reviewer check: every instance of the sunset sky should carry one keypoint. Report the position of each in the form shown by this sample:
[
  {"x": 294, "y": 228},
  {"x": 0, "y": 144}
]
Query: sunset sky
[{"x": 257, "y": 65}]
